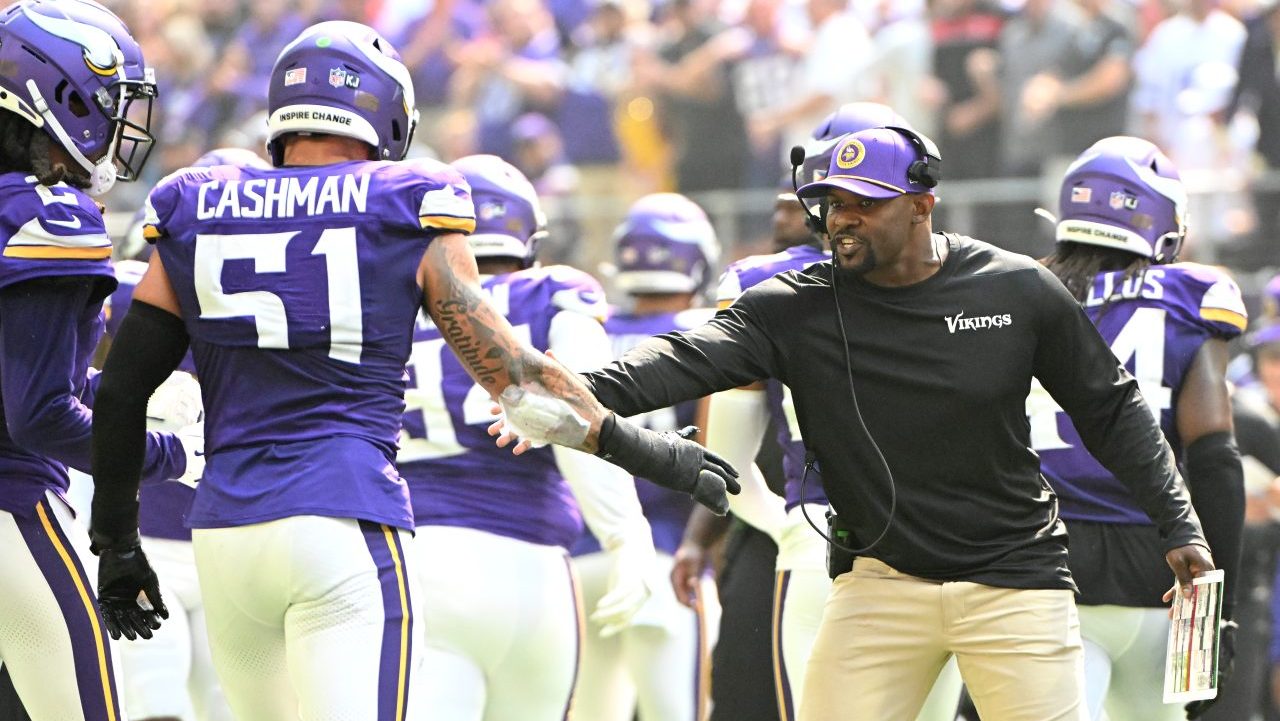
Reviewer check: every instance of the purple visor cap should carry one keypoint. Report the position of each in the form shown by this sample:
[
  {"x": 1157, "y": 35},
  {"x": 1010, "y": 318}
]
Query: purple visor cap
[{"x": 872, "y": 163}]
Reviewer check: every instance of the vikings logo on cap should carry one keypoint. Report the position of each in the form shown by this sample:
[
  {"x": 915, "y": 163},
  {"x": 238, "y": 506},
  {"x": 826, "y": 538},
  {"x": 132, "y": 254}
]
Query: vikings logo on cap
[{"x": 850, "y": 154}]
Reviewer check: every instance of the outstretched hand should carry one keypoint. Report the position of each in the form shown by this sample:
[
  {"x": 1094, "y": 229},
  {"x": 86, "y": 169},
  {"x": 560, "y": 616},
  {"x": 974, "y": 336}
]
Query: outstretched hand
[{"x": 671, "y": 460}]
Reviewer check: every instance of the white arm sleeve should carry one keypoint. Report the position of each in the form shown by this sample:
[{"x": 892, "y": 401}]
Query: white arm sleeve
[
  {"x": 736, "y": 422},
  {"x": 606, "y": 493}
]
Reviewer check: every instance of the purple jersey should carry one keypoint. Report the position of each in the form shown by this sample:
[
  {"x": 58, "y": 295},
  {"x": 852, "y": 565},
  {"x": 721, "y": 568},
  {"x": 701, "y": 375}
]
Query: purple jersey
[
  {"x": 456, "y": 475},
  {"x": 667, "y": 511},
  {"x": 46, "y": 232},
  {"x": 737, "y": 278},
  {"x": 299, "y": 290},
  {"x": 1155, "y": 323}
]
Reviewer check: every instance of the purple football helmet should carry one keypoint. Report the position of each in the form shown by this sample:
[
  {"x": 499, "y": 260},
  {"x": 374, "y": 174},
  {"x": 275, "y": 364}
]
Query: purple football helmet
[
  {"x": 1271, "y": 299},
  {"x": 71, "y": 68},
  {"x": 848, "y": 118},
  {"x": 342, "y": 78},
  {"x": 665, "y": 245},
  {"x": 1124, "y": 193},
  {"x": 509, "y": 218}
]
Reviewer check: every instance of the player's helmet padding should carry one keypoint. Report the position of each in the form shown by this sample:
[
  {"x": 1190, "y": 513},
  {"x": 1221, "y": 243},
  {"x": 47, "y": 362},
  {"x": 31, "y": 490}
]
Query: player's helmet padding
[
  {"x": 342, "y": 78},
  {"x": 1124, "y": 193},
  {"x": 509, "y": 219},
  {"x": 71, "y": 68},
  {"x": 665, "y": 244}
]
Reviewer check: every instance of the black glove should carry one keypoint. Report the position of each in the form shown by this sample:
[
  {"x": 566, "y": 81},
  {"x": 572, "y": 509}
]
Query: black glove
[
  {"x": 670, "y": 460},
  {"x": 1226, "y": 665},
  {"x": 123, "y": 573}
]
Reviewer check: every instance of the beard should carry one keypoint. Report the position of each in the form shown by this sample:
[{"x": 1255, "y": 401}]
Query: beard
[{"x": 864, "y": 263}]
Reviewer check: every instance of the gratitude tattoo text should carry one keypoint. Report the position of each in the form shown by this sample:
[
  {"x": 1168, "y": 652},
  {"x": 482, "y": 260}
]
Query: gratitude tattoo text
[{"x": 452, "y": 319}]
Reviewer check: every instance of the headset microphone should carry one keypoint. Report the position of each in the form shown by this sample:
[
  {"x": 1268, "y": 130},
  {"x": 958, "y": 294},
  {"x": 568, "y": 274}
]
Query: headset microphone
[
  {"x": 815, "y": 223},
  {"x": 797, "y": 159}
]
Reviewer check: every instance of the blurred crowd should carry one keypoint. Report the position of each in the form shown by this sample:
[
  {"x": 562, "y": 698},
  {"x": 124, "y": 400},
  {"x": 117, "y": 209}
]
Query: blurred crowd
[{"x": 601, "y": 101}]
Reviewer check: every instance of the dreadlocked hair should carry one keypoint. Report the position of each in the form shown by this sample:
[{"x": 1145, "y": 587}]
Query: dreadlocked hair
[
  {"x": 1078, "y": 264},
  {"x": 24, "y": 148}
]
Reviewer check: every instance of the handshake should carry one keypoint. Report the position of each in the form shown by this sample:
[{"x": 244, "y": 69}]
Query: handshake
[{"x": 669, "y": 458}]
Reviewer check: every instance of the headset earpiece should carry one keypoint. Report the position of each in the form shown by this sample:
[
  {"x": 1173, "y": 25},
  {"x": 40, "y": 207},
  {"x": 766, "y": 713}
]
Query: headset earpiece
[{"x": 926, "y": 171}]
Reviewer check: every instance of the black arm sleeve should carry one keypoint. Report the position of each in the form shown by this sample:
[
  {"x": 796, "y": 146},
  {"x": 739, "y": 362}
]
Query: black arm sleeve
[
  {"x": 1079, "y": 370},
  {"x": 1216, "y": 481},
  {"x": 149, "y": 346},
  {"x": 1255, "y": 436},
  {"x": 730, "y": 350}
]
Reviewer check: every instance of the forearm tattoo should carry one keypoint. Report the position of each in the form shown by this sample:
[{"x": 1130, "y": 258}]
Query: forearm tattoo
[{"x": 488, "y": 347}]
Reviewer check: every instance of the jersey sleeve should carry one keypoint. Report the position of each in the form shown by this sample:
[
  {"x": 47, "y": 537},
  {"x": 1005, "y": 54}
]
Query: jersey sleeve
[
  {"x": 577, "y": 292},
  {"x": 429, "y": 195},
  {"x": 158, "y": 208},
  {"x": 1220, "y": 307},
  {"x": 51, "y": 231},
  {"x": 729, "y": 288}
]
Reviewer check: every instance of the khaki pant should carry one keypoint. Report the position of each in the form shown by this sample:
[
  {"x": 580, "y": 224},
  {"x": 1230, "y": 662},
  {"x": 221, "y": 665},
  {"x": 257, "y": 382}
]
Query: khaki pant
[{"x": 886, "y": 635}]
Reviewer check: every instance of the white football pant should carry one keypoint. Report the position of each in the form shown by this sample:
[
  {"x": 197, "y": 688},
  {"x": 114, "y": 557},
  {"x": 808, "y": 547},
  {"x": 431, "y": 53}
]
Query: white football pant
[
  {"x": 52, "y": 637},
  {"x": 660, "y": 665},
  {"x": 311, "y": 618},
  {"x": 501, "y": 621},
  {"x": 171, "y": 674},
  {"x": 1124, "y": 650}
]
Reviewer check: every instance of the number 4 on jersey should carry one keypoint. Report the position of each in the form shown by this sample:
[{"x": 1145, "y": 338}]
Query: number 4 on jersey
[{"x": 1140, "y": 340}]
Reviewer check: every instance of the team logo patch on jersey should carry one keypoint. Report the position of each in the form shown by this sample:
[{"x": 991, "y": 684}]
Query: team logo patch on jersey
[
  {"x": 297, "y": 76},
  {"x": 1121, "y": 199},
  {"x": 1081, "y": 195},
  {"x": 851, "y": 154}
]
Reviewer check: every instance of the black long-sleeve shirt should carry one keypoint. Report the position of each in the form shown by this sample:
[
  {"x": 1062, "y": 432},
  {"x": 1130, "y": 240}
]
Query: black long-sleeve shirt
[{"x": 941, "y": 371}]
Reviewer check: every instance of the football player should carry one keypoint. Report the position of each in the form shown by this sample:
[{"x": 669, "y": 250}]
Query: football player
[
  {"x": 665, "y": 252},
  {"x": 297, "y": 290},
  {"x": 504, "y": 643},
  {"x": 71, "y": 79},
  {"x": 736, "y": 424},
  {"x": 1122, "y": 223}
]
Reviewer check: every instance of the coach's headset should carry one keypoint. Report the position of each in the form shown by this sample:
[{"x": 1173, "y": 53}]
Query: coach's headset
[{"x": 926, "y": 171}]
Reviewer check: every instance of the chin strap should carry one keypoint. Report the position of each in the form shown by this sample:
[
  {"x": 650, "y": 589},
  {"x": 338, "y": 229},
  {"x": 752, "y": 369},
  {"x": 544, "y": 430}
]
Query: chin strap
[{"x": 102, "y": 174}]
